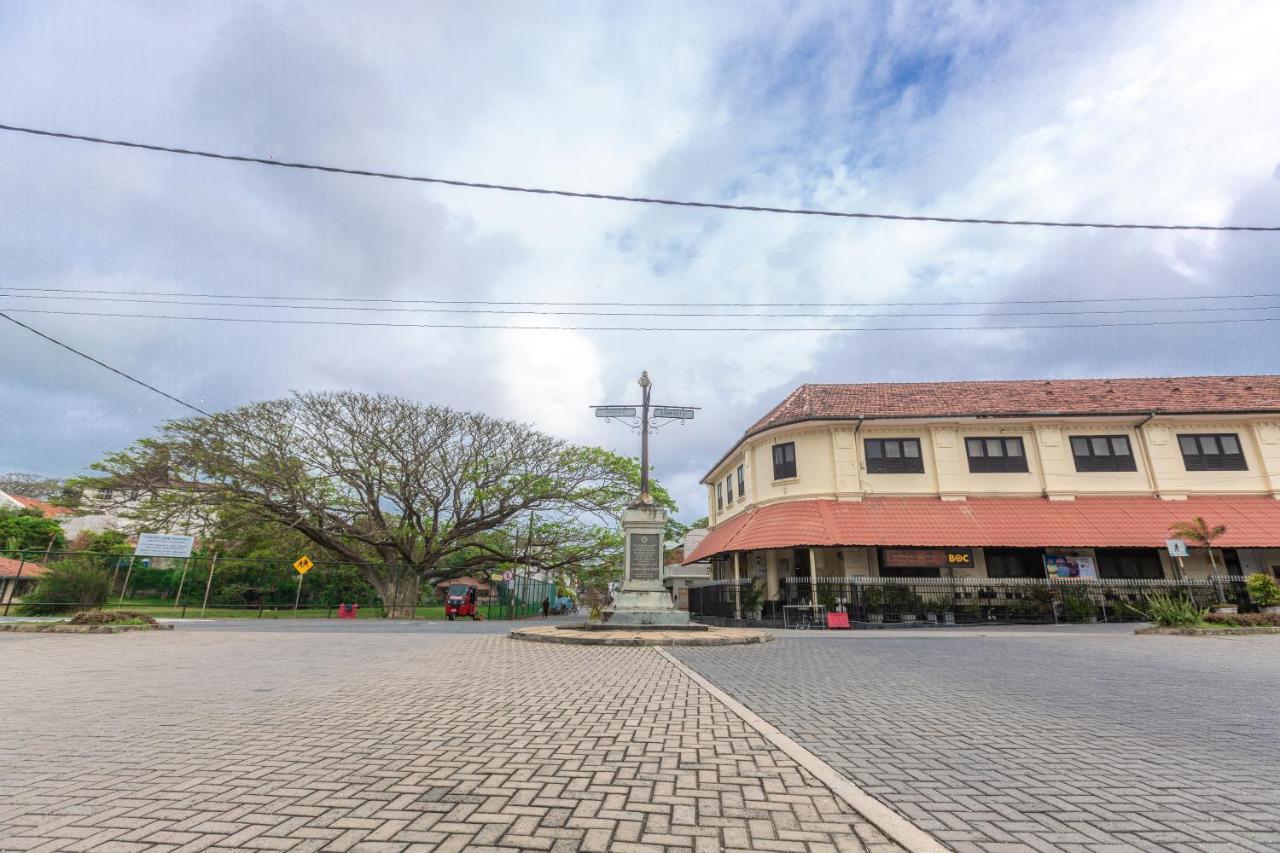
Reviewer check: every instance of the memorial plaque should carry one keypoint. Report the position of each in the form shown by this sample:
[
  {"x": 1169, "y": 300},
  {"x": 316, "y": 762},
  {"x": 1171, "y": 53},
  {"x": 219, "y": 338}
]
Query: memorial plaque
[{"x": 645, "y": 559}]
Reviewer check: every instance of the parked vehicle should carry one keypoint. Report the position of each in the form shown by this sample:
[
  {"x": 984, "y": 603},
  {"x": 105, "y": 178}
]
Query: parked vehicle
[{"x": 460, "y": 600}]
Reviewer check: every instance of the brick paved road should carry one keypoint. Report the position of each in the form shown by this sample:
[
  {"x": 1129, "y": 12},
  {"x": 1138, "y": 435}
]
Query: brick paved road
[
  {"x": 312, "y": 739},
  {"x": 1090, "y": 741}
]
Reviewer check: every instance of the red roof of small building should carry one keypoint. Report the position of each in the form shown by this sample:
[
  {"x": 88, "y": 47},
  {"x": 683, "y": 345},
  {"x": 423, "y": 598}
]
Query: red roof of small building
[
  {"x": 1100, "y": 522},
  {"x": 1036, "y": 397},
  {"x": 46, "y": 509},
  {"x": 9, "y": 568}
]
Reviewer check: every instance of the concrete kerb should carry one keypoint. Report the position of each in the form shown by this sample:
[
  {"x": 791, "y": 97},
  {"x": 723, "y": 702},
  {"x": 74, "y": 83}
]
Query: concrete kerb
[
  {"x": 888, "y": 821},
  {"x": 653, "y": 637}
]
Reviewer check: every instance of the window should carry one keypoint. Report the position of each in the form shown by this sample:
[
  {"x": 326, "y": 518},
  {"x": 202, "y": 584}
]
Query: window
[
  {"x": 1102, "y": 453},
  {"x": 742, "y": 483},
  {"x": 1129, "y": 563},
  {"x": 893, "y": 456},
  {"x": 784, "y": 460},
  {"x": 995, "y": 455},
  {"x": 1015, "y": 563},
  {"x": 719, "y": 495},
  {"x": 728, "y": 489},
  {"x": 1212, "y": 452}
]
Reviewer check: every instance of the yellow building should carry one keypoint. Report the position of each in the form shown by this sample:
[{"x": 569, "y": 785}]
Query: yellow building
[{"x": 1019, "y": 479}]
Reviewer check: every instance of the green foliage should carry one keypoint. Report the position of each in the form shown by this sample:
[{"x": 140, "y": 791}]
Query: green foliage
[
  {"x": 1078, "y": 606},
  {"x": 68, "y": 586},
  {"x": 701, "y": 524},
  {"x": 28, "y": 529},
  {"x": 1263, "y": 589},
  {"x": 1171, "y": 611},
  {"x": 112, "y": 617},
  {"x": 873, "y": 598},
  {"x": 750, "y": 596},
  {"x": 106, "y": 542},
  {"x": 1243, "y": 620}
]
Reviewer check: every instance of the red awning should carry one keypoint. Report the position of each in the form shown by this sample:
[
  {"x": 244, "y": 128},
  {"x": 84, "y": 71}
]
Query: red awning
[{"x": 1093, "y": 522}]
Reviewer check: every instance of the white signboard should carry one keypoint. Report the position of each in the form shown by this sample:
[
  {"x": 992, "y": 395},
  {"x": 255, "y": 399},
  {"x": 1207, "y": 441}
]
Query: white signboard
[
  {"x": 672, "y": 412},
  {"x": 164, "y": 545},
  {"x": 615, "y": 411},
  {"x": 1177, "y": 547}
]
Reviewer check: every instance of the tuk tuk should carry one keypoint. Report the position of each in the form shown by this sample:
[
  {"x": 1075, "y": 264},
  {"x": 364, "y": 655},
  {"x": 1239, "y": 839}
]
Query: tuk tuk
[{"x": 460, "y": 600}]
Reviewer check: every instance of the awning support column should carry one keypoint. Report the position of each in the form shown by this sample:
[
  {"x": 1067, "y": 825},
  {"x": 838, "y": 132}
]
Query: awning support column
[
  {"x": 813, "y": 576},
  {"x": 737, "y": 590}
]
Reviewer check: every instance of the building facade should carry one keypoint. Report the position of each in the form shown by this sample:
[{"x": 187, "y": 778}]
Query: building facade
[{"x": 1017, "y": 479}]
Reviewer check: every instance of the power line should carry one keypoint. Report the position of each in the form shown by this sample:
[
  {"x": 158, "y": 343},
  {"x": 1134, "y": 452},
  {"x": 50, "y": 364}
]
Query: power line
[
  {"x": 545, "y": 191},
  {"x": 386, "y": 324},
  {"x": 102, "y": 364},
  {"x": 372, "y": 300},
  {"x": 585, "y": 313}
]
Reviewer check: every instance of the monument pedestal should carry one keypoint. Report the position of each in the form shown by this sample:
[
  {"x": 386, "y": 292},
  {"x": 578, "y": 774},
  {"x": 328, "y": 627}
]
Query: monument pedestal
[{"x": 643, "y": 600}]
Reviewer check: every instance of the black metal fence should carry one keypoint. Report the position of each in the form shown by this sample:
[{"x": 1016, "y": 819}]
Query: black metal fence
[
  {"x": 960, "y": 601},
  {"x": 206, "y": 584}
]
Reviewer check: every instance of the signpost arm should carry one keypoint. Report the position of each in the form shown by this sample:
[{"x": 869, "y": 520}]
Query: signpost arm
[
  {"x": 298, "y": 597},
  {"x": 186, "y": 564}
]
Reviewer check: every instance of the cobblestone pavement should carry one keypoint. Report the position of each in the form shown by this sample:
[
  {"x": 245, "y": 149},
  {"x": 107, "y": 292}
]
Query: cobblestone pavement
[
  {"x": 1086, "y": 741},
  {"x": 289, "y": 739}
]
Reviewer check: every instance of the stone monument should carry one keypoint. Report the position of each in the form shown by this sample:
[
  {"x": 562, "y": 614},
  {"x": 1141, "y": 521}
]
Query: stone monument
[{"x": 643, "y": 599}]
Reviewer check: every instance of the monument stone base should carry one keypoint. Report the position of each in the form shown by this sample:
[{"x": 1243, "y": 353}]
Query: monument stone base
[{"x": 643, "y": 600}]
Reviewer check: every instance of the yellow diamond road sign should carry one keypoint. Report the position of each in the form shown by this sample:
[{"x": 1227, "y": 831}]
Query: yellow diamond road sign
[{"x": 303, "y": 565}]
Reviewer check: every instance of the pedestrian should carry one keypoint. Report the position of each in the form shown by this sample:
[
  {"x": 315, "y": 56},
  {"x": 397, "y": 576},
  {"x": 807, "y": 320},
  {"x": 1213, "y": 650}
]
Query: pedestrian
[{"x": 546, "y": 607}]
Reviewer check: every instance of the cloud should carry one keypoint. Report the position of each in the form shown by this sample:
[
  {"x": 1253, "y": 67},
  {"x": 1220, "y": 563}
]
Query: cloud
[{"x": 1144, "y": 111}]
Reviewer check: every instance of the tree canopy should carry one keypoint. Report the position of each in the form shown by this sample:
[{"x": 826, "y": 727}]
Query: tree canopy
[
  {"x": 384, "y": 481},
  {"x": 28, "y": 528}
]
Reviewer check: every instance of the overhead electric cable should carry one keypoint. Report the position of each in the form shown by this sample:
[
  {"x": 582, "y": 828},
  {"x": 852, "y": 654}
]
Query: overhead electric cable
[
  {"x": 386, "y": 324},
  {"x": 103, "y": 364},
  {"x": 652, "y": 304},
  {"x": 597, "y": 196},
  {"x": 275, "y": 306}
]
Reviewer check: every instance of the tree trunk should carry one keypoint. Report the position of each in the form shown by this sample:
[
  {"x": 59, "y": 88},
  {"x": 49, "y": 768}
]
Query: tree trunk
[{"x": 399, "y": 587}]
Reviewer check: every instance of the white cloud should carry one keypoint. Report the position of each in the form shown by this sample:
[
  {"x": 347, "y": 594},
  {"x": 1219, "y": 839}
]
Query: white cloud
[{"x": 1151, "y": 111}]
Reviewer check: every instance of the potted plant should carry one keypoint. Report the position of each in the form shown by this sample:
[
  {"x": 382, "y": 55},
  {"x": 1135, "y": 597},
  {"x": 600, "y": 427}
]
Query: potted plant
[
  {"x": 873, "y": 603},
  {"x": 1264, "y": 591},
  {"x": 750, "y": 597}
]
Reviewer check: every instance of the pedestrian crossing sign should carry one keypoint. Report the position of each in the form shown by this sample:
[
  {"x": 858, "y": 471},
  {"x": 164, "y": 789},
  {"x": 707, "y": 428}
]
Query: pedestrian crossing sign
[{"x": 303, "y": 564}]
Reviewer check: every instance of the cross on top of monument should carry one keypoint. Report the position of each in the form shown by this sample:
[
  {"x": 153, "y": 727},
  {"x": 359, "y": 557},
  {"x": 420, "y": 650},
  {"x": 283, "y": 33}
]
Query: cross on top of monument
[{"x": 647, "y": 419}]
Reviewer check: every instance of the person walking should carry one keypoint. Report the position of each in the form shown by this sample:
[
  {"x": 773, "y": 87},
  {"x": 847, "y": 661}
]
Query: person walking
[{"x": 546, "y": 607}]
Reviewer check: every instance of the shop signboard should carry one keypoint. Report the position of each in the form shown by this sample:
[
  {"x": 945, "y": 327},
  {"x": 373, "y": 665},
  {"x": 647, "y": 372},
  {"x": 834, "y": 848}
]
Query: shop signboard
[
  {"x": 928, "y": 558},
  {"x": 1061, "y": 566}
]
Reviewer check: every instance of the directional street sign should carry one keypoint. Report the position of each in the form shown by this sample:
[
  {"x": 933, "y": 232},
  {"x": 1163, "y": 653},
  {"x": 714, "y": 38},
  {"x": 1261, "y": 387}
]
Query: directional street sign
[
  {"x": 672, "y": 412},
  {"x": 303, "y": 564},
  {"x": 615, "y": 411}
]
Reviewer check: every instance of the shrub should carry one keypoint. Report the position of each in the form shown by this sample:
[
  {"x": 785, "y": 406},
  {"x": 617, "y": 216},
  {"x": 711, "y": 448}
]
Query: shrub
[
  {"x": 67, "y": 587},
  {"x": 1079, "y": 607},
  {"x": 112, "y": 617},
  {"x": 1244, "y": 620},
  {"x": 1173, "y": 611},
  {"x": 1263, "y": 589}
]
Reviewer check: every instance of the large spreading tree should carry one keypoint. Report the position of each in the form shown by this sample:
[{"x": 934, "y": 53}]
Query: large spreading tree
[{"x": 414, "y": 493}]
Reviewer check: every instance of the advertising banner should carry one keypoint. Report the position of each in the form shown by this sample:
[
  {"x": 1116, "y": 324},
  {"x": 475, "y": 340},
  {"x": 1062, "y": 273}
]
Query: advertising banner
[{"x": 1058, "y": 566}]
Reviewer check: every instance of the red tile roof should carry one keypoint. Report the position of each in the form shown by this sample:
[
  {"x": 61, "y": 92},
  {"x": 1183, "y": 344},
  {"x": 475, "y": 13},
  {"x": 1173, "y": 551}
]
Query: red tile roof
[
  {"x": 9, "y": 568},
  {"x": 1103, "y": 522},
  {"x": 46, "y": 509},
  {"x": 1169, "y": 395}
]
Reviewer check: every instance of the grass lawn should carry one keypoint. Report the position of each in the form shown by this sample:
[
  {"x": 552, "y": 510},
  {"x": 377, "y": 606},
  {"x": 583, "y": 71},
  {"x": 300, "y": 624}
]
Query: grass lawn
[{"x": 164, "y": 608}]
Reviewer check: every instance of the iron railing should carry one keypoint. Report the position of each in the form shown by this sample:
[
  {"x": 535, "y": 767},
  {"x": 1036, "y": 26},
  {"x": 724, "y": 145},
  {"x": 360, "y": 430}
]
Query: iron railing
[{"x": 962, "y": 601}]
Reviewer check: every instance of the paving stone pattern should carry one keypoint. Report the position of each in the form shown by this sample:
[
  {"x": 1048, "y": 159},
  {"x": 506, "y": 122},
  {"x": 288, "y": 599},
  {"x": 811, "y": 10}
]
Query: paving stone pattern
[
  {"x": 290, "y": 740},
  {"x": 1076, "y": 742}
]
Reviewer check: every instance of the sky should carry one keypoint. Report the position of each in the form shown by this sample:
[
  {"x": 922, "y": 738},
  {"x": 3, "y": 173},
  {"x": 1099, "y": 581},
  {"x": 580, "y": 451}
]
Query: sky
[{"x": 1159, "y": 112}]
